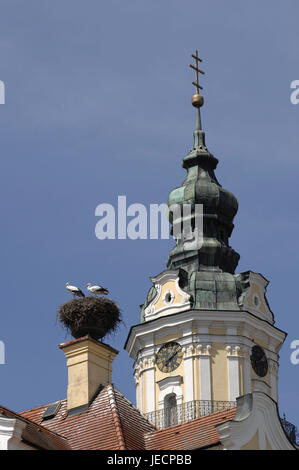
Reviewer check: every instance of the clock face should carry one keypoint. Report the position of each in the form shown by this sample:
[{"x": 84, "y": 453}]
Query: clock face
[
  {"x": 259, "y": 361},
  {"x": 169, "y": 357}
]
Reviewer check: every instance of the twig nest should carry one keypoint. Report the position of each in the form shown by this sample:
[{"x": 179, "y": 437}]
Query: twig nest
[{"x": 93, "y": 316}]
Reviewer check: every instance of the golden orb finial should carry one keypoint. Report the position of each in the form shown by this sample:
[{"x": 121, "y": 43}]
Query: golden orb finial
[{"x": 197, "y": 100}]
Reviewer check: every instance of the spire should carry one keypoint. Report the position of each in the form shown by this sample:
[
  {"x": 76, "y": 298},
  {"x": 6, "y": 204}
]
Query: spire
[
  {"x": 198, "y": 134},
  {"x": 197, "y": 102},
  {"x": 219, "y": 205},
  {"x": 197, "y": 98}
]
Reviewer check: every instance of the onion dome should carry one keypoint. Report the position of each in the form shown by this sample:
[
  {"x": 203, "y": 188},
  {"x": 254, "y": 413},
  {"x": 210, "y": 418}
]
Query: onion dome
[
  {"x": 204, "y": 261},
  {"x": 219, "y": 209}
]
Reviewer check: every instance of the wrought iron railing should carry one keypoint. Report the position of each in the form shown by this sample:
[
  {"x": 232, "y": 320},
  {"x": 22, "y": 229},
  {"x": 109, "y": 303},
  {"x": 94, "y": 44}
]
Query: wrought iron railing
[{"x": 185, "y": 412}]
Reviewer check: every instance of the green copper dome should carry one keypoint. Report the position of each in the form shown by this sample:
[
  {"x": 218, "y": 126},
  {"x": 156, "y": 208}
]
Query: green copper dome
[
  {"x": 206, "y": 268},
  {"x": 219, "y": 209}
]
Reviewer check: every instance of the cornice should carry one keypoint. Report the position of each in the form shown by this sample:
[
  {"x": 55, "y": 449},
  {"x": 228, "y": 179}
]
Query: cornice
[{"x": 206, "y": 319}]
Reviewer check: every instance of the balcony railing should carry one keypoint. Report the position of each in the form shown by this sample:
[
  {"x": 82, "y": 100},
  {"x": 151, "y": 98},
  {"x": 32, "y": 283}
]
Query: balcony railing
[{"x": 185, "y": 412}]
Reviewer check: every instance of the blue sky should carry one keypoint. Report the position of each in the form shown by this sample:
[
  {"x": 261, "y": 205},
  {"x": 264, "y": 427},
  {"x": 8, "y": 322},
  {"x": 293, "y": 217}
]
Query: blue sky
[{"x": 98, "y": 105}]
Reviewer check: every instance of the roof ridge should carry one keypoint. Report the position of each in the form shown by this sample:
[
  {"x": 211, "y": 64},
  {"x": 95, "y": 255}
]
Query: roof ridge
[
  {"x": 135, "y": 408},
  {"x": 116, "y": 417}
]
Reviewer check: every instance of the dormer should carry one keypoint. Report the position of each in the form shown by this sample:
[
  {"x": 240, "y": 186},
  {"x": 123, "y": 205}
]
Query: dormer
[{"x": 170, "y": 297}]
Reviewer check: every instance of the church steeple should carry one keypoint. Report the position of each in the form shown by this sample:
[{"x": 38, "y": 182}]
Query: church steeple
[
  {"x": 206, "y": 334},
  {"x": 219, "y": 205}
]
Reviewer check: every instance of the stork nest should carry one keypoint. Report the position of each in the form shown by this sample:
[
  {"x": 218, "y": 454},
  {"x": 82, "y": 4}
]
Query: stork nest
[{"x": 93, "y": 316}]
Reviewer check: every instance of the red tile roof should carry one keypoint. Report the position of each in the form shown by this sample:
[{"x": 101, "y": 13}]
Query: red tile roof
[
  {"x": 195, "y": 434},
  {"x": 37, "y": 436},
  {"x": 111, "y": 422}
]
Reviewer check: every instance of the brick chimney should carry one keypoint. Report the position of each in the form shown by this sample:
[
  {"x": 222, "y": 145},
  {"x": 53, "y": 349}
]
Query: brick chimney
[{"x": 89, "y": 365}]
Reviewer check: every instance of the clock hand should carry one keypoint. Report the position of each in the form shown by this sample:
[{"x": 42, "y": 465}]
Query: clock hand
[
  {"x": 169, "y": 359},
  {"x": 166, "y": 361}
]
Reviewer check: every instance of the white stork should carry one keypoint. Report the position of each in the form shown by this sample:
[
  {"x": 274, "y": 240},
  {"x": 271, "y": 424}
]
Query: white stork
[
  {"x": 74, "y": 290},
  {"x": 97, "y": 290}
]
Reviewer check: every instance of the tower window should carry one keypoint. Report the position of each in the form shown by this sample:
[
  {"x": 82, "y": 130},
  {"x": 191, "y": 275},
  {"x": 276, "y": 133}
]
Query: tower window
[
  {"x": 168, "y": 297},
  {"x": 256, "y": 301},
  {"x": 170, "y": 410}
]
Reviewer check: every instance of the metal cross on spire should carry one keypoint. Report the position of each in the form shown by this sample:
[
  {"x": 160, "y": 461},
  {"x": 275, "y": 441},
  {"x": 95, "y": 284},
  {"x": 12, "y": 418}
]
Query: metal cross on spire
[
  {"x": 197, "y": 98},
  {"x": 197, "y": 70}
]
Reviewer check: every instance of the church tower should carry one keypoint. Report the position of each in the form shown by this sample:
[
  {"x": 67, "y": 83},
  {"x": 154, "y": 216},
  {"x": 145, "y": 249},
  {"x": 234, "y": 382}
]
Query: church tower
[{"x": 206, "y": 334}]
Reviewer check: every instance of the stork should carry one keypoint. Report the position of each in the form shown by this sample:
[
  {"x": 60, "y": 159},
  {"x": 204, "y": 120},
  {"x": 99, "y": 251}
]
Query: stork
[
  {"x": 97, "y": 290},
  {"x": 74, "y": 290}
]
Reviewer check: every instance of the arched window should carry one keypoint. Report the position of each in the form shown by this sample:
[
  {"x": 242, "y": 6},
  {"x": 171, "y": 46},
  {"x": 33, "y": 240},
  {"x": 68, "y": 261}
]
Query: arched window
[{"x": 170, "y": 410}]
